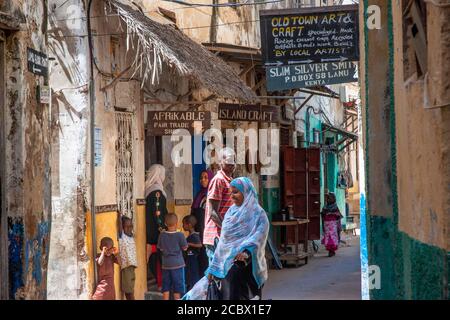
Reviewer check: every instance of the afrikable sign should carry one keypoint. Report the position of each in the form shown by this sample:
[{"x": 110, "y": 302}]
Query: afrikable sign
[{"x": 308, "y": 75}]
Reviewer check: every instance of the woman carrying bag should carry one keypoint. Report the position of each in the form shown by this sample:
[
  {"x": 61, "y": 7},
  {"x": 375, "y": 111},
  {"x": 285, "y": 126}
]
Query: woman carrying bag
[{"x": 238, "y": 268}]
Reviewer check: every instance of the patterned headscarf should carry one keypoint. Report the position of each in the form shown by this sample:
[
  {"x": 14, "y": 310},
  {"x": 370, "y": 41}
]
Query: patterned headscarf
[
  {"x": 155, "y": 178},
  {"x": 244, "y": 227}
]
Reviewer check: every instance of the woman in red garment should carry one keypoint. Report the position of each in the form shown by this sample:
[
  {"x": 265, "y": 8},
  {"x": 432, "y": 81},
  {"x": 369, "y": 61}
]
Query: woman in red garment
[{"x": 331, "y": 222}]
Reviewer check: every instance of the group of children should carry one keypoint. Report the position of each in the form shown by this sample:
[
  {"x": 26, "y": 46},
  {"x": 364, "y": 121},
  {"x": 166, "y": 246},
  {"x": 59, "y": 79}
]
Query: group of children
[{"x": 180, "y": 256}]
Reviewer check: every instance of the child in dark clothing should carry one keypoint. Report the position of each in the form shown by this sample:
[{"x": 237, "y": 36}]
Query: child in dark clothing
[
  {"x": 172, "y": 244},
  {"x": 193, "y": 251},
  {"x": 105, "y": 289}
]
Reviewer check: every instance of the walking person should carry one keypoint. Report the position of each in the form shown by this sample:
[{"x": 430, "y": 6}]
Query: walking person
[
  {"x": 198, "y": 211},
  {"x": 218, "y": 200},
  {"x": 331, "y": 224},
  {"x": 155, "y": 213},
  {"x": 239, "y": 263}
]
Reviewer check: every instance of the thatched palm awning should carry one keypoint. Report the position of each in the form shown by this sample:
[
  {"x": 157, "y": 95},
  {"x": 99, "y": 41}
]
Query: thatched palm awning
[{"x": 159, "y": 43}]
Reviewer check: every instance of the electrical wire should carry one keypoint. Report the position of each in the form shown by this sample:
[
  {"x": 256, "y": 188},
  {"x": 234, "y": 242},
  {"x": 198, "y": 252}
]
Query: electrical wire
[
  {"x": 187, "y": 5},
  {"x": 186, "y": 28},
  {"x": 221, "y": 5}
]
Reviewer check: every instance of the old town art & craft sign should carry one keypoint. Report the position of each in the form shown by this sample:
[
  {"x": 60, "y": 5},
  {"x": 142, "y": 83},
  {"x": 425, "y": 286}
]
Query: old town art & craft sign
[
  {"x": 248, "y": 112},
  {"x": 160, "y": 123},
  {"x": 309, "y": 35}
]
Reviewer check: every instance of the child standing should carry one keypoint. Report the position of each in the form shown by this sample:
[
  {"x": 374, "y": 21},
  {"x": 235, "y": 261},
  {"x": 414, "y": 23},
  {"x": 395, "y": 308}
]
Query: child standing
[
  {"x": 128, "y": 260},
  {"x": 193, "y": 252},
  {"x": 105, "y": 289},
  {"x": 172, "y": 244}
]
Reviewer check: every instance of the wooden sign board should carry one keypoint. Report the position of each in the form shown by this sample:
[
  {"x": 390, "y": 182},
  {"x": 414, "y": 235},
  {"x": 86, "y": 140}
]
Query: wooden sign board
[
  {"x": 309, "y": 75},
  {"x": 161, "y": 123},
  {"x": 310, "y": 35},
  {"x": 183, "y": 202},
  {"x": 248, "y": 112}
]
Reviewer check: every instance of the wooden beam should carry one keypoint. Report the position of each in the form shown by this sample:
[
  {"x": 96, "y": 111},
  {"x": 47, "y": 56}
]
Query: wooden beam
[
  {"x": 352, "y": 112},
  {"x": 247, "y": 70},
  {"x": 259, "y": 84},
  {"x": 302, "y": 105},
  {"x": 318, "y": 93},
  {"x": 419, "y": 36}
]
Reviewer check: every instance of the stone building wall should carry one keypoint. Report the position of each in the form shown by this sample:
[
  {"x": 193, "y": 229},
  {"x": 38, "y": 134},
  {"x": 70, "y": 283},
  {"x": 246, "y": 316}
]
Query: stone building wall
[{"x": 27, "y": 154}]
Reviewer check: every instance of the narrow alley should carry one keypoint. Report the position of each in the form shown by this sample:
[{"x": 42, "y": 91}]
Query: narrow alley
[
  {"x": 323, "y": 278},
  {"x": 220, "y": 149}
]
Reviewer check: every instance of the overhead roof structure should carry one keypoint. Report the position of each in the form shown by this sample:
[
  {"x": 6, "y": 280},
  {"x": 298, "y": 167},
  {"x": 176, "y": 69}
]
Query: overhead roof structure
[{"x": 158, "y": 44}]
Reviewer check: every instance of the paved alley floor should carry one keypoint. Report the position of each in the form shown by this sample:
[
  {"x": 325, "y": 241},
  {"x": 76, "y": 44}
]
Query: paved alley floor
[{"x": 323, "y": 278}]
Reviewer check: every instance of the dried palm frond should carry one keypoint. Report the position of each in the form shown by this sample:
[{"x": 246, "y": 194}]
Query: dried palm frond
[{"x": 158, "y": 44}]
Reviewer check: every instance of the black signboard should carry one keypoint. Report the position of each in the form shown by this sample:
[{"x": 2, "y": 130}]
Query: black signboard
[
  {"x": 309, "y": 75},
  {"x": 308, "y": 35},
  {"x": 37, "y": 62}
]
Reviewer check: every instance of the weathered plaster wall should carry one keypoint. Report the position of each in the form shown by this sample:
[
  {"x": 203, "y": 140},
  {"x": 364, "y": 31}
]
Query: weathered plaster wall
[
  {"x": 235, "y": 25},
  {"x": 412, "y": 264},
  {"x": 422, "y": 155},
  {"x": 71, "y": 249},
  {"x": 27, "y": 156},
  {"x": 69, "y": 78}
]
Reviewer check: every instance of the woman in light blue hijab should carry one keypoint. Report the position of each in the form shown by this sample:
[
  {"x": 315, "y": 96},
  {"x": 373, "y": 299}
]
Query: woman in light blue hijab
[{"x": 239, "y": 264}]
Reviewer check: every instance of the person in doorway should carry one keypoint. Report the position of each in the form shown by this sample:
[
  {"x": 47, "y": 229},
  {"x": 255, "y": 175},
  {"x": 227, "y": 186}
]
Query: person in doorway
[
  {"x": 198, "y": 211},
  {"x": 128, "y": 259},
  {"x": 331, "y": 224},
  {"x": 105, "y": 289},
  {"x": 193, "y": 252},
  {"x": 239, "y": 262},
  {"x": 218, "y": 200},
  {"x": 172, "y": 244},
  {"x": 155, "y": 214}
]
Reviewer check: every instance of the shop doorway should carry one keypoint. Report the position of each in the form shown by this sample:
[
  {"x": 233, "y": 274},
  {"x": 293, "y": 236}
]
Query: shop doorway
[{"x": 3, "y": 220}]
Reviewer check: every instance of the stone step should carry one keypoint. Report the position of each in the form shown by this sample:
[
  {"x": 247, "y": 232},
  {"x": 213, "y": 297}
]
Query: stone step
[{"x": 153, "y": 295}]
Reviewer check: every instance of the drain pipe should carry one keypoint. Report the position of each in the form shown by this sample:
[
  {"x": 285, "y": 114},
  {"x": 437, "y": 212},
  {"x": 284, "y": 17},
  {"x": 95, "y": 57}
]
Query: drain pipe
[
  {"x": 308, "y": 142},
  {"x": 92, "y": 144}
]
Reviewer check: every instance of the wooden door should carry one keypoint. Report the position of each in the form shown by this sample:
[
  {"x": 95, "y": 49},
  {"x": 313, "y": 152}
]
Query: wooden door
[
  {"x": 301, "y": 188},
  {"x": 314, "y": 193}
]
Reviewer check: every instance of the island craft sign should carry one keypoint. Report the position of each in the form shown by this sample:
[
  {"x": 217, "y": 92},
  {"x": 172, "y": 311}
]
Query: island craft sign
[
  {"x": 248, "y": 112},
  {"x": 309, "y": 35},
  {"x": 161, "y": 123}
]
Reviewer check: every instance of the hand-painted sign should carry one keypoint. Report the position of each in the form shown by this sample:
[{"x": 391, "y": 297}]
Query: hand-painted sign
[
  {"x": 307, "y": 35},
  {"x": 248, "y": 112},
  {"x": 161, "y": 123},
  {"x": 183, "y": 202},
  {"x": 37, "y": 62},
  {"x": 308, "y": 75}
]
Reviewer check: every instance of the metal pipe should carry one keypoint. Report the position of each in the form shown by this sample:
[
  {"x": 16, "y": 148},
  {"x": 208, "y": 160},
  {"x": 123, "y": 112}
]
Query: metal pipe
[{"x": 92, "y": 143}]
